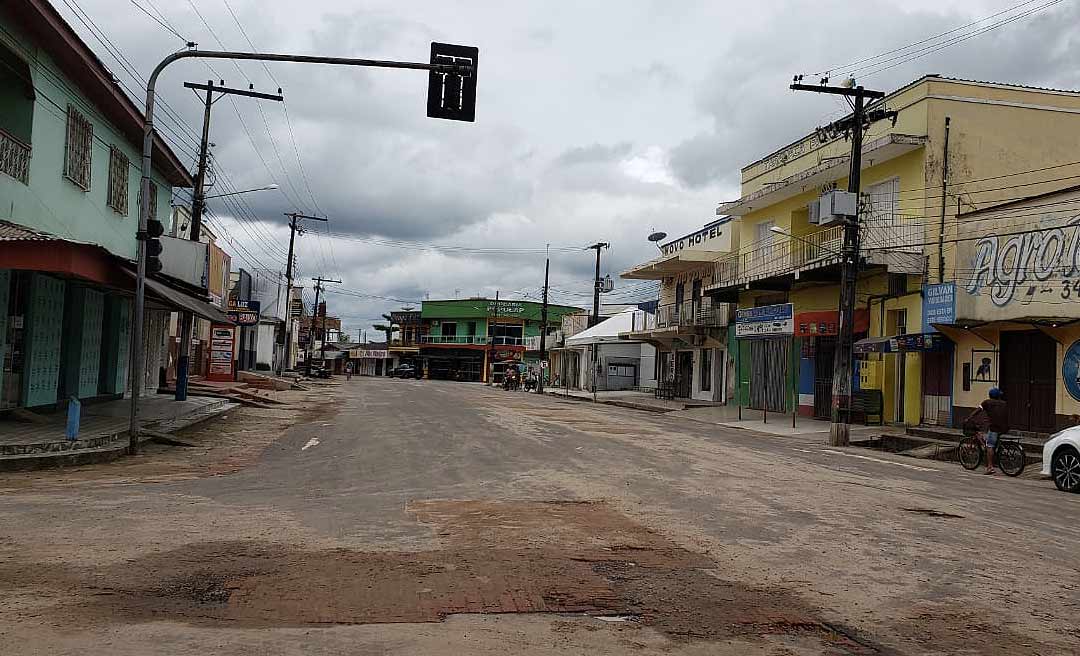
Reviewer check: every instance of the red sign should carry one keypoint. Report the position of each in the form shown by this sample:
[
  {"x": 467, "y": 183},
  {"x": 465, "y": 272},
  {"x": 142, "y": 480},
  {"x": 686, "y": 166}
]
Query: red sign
[
  {"x": 814, "y": 324},
  {"x": 222, "y": 338}
]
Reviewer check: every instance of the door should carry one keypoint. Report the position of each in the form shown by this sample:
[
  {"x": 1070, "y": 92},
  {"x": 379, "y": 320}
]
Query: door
[
  {"x": 684, "y": 374},
  {"x": 695, "y": 296},
  {"x": 901, "y": 368},
  {"x": 768, "y": 374},
  {"x": 937, "y": 387},
  {"x": 824, "y": 363},
  {"x": 1028, "y": 379}
]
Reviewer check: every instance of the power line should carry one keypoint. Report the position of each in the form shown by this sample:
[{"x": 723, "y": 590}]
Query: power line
[{"x": 154, "y": 18}]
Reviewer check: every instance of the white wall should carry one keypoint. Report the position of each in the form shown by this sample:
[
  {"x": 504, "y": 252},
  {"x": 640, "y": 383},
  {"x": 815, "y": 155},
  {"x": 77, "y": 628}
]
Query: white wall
[
  {"x": 264, "y": 345},
  {"x": 716, "y": 391}
]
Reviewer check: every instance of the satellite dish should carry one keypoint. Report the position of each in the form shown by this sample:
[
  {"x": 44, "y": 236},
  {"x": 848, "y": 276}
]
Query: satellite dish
[{"x": 657, "y": 236}]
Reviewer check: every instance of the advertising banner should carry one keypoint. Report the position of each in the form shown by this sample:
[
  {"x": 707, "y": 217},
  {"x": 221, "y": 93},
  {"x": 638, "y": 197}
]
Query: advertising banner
[{"x": 765, "y": 321}]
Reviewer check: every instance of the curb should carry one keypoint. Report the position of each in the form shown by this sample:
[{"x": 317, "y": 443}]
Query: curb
[{"x": 110, "y": 447}]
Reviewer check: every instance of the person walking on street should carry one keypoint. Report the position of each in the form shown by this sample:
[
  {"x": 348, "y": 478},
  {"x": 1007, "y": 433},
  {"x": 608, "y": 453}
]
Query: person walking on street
[
  {"x": 348, "y": 371},
  {"x": 992, "y": 424}
]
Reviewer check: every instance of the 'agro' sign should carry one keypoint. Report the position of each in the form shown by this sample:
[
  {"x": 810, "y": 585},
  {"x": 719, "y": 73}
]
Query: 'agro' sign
[
  {"x": 1027, "y": 267},
  {"x": 712, "y": 237}
]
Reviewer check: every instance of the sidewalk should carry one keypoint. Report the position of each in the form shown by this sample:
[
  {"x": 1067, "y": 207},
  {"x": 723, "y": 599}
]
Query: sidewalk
[
  {"x": 103, "y": 431},
  {"x": 724, "y": 415}
]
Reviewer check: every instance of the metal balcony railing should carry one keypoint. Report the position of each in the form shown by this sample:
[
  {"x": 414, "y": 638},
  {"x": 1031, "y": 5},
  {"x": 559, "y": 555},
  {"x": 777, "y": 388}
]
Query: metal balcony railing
[
  {"x": 453, "y": 339},
  {"x": 14, "y": 158},
  {"x": 702, "y": 312}
]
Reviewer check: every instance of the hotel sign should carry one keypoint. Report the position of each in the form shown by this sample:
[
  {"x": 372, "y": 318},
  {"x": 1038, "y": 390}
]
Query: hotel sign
[{"x": 696, "y": 239}]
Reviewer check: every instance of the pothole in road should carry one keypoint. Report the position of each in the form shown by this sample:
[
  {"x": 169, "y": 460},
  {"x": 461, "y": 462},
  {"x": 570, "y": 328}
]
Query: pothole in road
[
  {"x": 511, "y": 557},
  {"x": 930, "y": 512}
]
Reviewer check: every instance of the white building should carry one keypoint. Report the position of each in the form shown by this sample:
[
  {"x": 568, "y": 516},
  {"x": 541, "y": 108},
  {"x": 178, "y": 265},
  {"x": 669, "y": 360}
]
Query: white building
[{"x": 616, "y": 364}]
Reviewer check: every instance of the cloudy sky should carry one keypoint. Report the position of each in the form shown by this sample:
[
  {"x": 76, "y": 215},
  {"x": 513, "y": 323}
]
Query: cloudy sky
[{"x": 596, "y": 121}]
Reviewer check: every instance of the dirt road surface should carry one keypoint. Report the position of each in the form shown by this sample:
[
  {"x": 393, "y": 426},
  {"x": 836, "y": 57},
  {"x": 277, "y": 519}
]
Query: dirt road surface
[{"x": 419, "y": 517}]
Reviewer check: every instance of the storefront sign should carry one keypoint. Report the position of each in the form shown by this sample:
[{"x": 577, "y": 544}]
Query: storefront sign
[
  {"x": 365, "y": 354},
  {"x": 405, "y": 317},
  {"x": 505, "y": 307},
  {"x": 697, "y": 239},
  {"x": 1070, "y": 370},
  {"x": 222, "y": 339},
  {"x": 938, "y": 305},
  {"x": 814, "y": 324},
  {"x": 765, "y": 321},
  {"x": 903, "y": 343},
  {"x": 244, "y": 313}
]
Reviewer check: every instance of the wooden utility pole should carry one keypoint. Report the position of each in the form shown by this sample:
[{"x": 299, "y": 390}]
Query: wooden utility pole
[
  {"x": 543, "y": 327},
  {"x": 839, "y": 433},
  {"x": 294, "y": 219},
  {"x": 595, "y": 318},
  {"x": 322, "y": 347},
  {"x": 198, "y": 205}
]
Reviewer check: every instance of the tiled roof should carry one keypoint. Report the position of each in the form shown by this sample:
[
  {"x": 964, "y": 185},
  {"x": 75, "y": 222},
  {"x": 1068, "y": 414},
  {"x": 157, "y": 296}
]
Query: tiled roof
[{"x": 15, "y": 232}]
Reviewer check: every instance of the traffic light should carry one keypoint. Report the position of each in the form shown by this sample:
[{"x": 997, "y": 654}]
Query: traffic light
[
  {"x": 453, "y": 95},
  {"x": 154, "y": 229}
]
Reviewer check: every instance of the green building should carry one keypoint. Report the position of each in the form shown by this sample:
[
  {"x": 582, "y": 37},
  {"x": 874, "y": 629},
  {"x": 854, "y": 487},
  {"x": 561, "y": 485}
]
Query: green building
[
  {"x": 70, "y": 143},
  {"x": 475, "y": 338}
]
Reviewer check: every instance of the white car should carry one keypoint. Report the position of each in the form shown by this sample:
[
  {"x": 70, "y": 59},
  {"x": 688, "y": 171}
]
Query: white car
[{"x": 1061, "y": 459}]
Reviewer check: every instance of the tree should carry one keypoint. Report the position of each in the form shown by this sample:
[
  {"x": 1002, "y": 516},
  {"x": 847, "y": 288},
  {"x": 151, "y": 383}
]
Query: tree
[{"x": 387, "y": 329}]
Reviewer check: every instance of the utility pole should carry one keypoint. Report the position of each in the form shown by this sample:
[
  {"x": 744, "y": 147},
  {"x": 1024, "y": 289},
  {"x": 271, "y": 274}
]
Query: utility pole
[
  {"x": 493, "y": 315},
  {"x": 944, "y": 190},
  {"x": 839, "y": 433},
  {"x": 322, "y": 345},
  {"x": 595, "y": 318},
  {"x": 198, "y": 204},
  {"x": 543, "y": 327},
  {"x": 294, "y": 218}
]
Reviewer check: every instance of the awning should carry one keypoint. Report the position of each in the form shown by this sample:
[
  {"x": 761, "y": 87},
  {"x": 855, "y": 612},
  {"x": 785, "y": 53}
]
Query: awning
[
  {"x": 181, "y": 301},
  {"x": 914, "y": 342}
]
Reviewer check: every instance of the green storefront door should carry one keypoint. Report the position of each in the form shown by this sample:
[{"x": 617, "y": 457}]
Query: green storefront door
[{"x": 44, "y": 325}]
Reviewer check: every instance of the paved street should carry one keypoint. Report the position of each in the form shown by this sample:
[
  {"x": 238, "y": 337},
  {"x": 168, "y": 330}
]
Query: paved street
[{"x": 422, "y": 517}]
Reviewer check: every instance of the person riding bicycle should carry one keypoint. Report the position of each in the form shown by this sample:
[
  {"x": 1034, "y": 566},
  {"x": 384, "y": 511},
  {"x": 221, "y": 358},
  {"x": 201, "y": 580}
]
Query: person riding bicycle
[{"x": 992, "y": 420}]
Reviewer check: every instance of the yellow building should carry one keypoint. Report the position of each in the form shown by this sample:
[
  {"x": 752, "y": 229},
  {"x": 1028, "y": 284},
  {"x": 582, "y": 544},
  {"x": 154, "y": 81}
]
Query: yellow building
[{"x": 1004, "y": 142}]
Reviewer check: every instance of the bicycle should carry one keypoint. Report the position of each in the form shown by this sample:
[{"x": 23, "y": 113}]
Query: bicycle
[{"x": 1009, "y": 453}]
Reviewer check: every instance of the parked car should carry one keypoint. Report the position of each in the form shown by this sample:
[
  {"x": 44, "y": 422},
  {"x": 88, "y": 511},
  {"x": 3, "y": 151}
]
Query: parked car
[
  {"x": 403, "y": 371},
  {"x": 1061, "y": 459}
]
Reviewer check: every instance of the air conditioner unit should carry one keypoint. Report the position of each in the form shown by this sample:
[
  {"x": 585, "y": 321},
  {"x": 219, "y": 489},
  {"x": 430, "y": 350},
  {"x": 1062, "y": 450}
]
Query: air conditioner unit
[
  {"x": 836, "y": 206},
  {"x": 814, "y": 210}
]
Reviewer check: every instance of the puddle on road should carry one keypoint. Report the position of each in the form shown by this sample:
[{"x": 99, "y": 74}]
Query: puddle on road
[{"x": 510, "y": 557}]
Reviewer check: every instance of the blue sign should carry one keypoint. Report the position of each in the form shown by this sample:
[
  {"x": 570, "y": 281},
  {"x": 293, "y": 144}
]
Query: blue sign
[
  {"x": 765, "y": 321},
  {"x": 74, "y": 414},
  {"x": 1070, "y": 370},
  {"x": 938, "y": 305}
]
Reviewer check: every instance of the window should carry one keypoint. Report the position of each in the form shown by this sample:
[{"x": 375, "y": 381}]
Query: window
[
  {"x": 118, "y": 180},
  {"x": 472, "y": 328},
  {"x": 449, "y": 331},
  {"x": 77, "y": 150},
  {"x": 706, "y": 370},
  {"x": 622, "y": 370},
  {"x": 153, "y": 201}
]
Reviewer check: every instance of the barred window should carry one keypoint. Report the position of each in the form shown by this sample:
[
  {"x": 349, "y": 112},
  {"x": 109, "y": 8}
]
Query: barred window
[
  {"x": 153, "y": 201},
  {"x": 77, "y": 150},
  {"x": 118, "y": 180}
]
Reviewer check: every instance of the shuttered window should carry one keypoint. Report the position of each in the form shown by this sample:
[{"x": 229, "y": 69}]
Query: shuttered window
[{"x": 118, "y": 180}]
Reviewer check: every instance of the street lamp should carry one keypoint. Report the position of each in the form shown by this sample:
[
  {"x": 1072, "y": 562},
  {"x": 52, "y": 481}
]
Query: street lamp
[{"x": 269, "y": 187}]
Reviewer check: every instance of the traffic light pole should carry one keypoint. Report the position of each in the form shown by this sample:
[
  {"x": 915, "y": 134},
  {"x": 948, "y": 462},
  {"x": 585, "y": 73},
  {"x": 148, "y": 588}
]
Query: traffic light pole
[
  {"x": 840, "y": 431},
  {"x": 137, "y": 357},
  {"x": 198, "y": 204}
]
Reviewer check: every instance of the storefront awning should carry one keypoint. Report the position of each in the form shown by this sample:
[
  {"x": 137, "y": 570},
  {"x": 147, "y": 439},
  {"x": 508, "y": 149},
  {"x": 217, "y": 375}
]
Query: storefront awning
[
  {"x": 181, "y": 301},
  {"x": 903, "y": 343}
]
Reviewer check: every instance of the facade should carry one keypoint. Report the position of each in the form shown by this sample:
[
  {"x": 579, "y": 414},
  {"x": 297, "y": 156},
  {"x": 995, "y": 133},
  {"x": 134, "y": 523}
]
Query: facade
[
  {"x": 606, "y": 361},
  {"x": 405, "y": 347},
  {"x": 1012, "y": 311},
  {"x": 69, "y": 196},
  {"x": 689, "y": 329},
  {"x": 475, "y": 339},
  {"x": 372, "y": 359},
  {"x": 784, "y": 275}
]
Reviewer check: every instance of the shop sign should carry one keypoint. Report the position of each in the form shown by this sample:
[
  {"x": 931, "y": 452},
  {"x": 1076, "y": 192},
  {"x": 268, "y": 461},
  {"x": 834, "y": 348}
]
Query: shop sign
[
  {"x": 694, "y": 240},
  {"x": 765, "y": 321},
  {"x": 938, "y": 305},
  {"x": 222, "y": 339},
  {"x": 503, "y": 308},
  {"x": 406, "y": 317},
  {"x": 1070, "y": 370},
  {"x": 827, "y": 322},
  {"x": 366, "y": 354},
  {"x": 244, "y": 313}
]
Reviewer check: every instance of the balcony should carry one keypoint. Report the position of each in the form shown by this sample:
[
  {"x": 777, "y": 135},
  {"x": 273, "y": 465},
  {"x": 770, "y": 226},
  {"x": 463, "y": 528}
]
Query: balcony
[
  {"x": 891, "y": 240},
  {"x": 14, "y": 157},
  {"x": 453, "y": 339},
  {"x": 703, "y": 312}
]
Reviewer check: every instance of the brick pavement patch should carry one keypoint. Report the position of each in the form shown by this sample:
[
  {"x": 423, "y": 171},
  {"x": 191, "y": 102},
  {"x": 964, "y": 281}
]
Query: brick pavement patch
[{"x": 498, "y": 557}]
